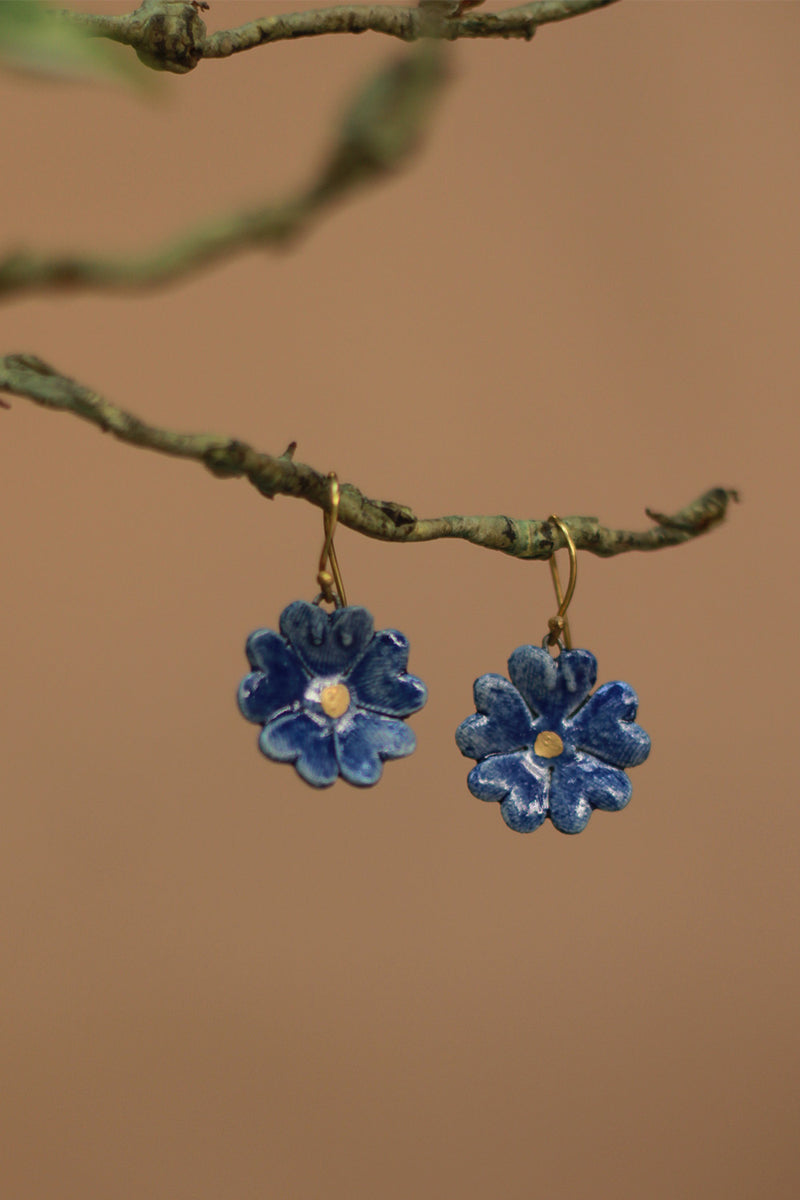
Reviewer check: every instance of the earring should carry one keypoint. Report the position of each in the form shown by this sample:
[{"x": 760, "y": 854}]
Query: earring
[
  {"x": 545, "y": 747},
  {"x": 329, "y": 692}
]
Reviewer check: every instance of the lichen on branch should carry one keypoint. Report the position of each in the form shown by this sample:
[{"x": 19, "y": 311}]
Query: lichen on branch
[
  {"x": 279, "y": 475},
  {"x": 170, "y": 35}
]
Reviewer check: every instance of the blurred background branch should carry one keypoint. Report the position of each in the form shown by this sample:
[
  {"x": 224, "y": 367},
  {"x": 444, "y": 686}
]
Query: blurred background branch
[{"x": 378, "y": 131}]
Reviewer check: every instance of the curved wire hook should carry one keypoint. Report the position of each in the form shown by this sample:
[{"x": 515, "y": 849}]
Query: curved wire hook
[
  {"x": 559, "y": 623},
  {"x": 330, "y": 579}
]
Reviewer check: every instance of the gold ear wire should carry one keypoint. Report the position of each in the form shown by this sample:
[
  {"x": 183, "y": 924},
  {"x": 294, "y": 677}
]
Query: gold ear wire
[
  {"x": 330, "y": 579},
  {"x": 559, "y": 623}
]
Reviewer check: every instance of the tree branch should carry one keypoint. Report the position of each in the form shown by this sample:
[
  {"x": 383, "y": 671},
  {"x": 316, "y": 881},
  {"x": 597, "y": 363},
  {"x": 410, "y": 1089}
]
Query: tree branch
[
  {"x": 169, "y": 35},
  {"x": 381, "y": 127},
  {"x": 379, "y": 130},
  {"x": 273, "y": 475}
]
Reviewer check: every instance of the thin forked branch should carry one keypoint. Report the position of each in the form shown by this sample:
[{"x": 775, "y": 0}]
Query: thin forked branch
[
  {"x": 169, "y": 35},
  {"x": 273, "y": 475},
  {"x": 377, "y": 132}
]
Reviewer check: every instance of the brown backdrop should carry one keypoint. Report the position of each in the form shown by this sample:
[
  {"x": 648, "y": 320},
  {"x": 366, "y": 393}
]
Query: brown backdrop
[{"x": 582, "y": 297}]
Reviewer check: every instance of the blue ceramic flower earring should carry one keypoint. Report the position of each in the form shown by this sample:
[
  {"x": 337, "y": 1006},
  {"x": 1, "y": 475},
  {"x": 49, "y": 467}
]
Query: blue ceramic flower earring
[
  {"x": 544, "y": 746},
  {"x": 329, "y": 692}
]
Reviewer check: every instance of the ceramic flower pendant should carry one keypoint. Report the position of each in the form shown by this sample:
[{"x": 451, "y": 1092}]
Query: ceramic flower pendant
[
  {"x": 545, "y": 747},
  {"x": 331, "y": 693}
]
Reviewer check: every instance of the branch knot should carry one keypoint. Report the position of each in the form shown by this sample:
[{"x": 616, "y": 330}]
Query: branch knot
[
  {"x": 171, "y": 36},
  {"x": 227, "y": 459}
]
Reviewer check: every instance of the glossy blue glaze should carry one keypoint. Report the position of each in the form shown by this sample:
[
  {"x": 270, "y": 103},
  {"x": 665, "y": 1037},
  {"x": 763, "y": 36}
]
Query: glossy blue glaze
[
  {"x": 318, "y": 652},
  {"x": 597, "y": 732}
]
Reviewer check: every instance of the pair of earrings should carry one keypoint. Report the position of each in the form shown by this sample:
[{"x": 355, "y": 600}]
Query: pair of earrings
[{"x": 332, "y": 696}]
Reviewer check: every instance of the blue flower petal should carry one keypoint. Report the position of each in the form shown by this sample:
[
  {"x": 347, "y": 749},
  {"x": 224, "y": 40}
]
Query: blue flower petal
[
  {"x": 297, "y": 737},
  {"x": 379, "y": 680},
  {"x": 277, "y": 681},
  {"x": 582, "y": 784},
  {"x": 519, "y": 782},
  {"x": 605, "y": 727},
  {"x": 553, "y": 688},
  {"x": 365, "y": 740},
  {"x": 326, "y": 643},
  {"x": 502, "y": 722}
]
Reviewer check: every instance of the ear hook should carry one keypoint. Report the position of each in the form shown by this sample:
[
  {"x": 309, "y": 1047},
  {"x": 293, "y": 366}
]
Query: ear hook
[
  {"x": 559, "y": 623},
  {"x": 326, "y": 579}
]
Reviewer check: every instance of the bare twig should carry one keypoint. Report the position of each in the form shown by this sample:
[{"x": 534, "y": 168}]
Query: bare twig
[
  {"x": 273, "y": 475},
  {"x": 169, "y": 35}
]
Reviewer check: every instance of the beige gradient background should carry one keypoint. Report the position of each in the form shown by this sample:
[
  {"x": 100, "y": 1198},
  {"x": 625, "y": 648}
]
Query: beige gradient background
[{"x": 582, "y": 296}]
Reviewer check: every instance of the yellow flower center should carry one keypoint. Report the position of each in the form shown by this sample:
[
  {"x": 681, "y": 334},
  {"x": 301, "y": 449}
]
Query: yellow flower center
[
  {"x": 548, "y": 744},
  {"x": 335, "y": 699}
]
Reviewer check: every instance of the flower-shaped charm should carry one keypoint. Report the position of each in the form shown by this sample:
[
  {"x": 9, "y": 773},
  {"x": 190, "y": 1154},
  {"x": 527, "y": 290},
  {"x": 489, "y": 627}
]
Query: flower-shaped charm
[
  {"x": 330, "y": 693},
  {"x": 545, "y": 748}
]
